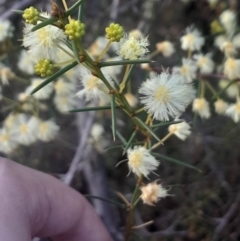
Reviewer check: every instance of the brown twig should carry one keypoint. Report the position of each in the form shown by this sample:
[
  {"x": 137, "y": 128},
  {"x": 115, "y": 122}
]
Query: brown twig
[{"x": 223, "y": 222}]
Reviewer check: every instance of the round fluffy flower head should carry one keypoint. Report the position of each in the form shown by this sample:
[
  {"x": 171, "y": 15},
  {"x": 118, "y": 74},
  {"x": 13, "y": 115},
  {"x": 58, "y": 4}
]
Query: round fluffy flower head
[
  {"x": 233, "y": 111},
  {"x": 26, "y": 62},
  {"x": 220, "y": 40},
  {"x": 204, "y": 63},
  {"x": 232, "y": 68},
  {"x": 6, "y": 30},
  {"x": 166, "y": 48},
  {"x": 7, "y": 142},
  {"x": 201, "y": 106},
  {"x": 5, "y": 74},
  {"x": 187, "y": 71},
  {"x": 140, "y": 161},
  {"x": 220, "y": 106},
  {"x": 114, "y": 32},
  {"x": 166, "y": 95},
  {"x": 228, "y": 20},
  {"x": 97, "y": 132},
  {"x": 192, "y": 40},
  {"x": 42, "y": 43},
  {"x": 44, "y": 68},
  {"x": 181, "y": 130},
  {"x": 75, "y": 29},
  {"x": 24, "y": 129},
  {"x": 228, "y": 49},
  {"x": 47, "y": 130},
  {"x": 93, "y": 88},
  {"x": 10, "y": 120},
  {"x": 132, "y": 47},
  {"x": 31, "y": 15},
  {"x": 152, "y": 192}
]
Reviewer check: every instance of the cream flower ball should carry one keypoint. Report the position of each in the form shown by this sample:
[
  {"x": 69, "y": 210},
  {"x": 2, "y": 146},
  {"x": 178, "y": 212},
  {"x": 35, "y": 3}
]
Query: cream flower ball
[
  {"x": 166, "y": 96},
  {"x": 140, "y": 161}
]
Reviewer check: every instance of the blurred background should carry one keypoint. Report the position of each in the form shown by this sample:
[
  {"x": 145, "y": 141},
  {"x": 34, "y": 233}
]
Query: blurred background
[{"x": 203, "y": 205}]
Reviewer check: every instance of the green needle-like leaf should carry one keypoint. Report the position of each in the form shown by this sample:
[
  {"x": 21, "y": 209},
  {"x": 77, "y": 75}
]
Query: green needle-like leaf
[
  {"x": 166, "y": 123},
  {"x": 72, "y": 8},
  {"x": 121, "y": 146},
  {"x": 18, "y": 11},
  {"x": 122, "y": 205},
  {"x": 225, "y": 88},
  {"x": 44, "y": 23},
  {"x": 113, "y": 147},
  {"x": 126, "y": 79},
  {"x": 95, "y": 108},
  {"x": 113, "y": 117},
  {"x": 130, "y": 141},
  {"x": 123, "y": 62},
  {"x": 75, "y": 50},
  {"x": 176, "y": 161},
  {"x": 80, "y": 11},
  {"x": 122, "y": 139},
  {"x": 143, "y": 125},
  {"x": 53, "y": 77}
]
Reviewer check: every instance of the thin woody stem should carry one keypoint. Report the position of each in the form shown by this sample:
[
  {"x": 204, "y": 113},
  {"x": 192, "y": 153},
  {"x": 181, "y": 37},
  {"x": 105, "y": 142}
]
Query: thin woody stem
[
  {"x": 162, "y": 141},
  {"x": 66, "y": 8},
  {"x": 148, "y": 119},
  {"x": 139, "y": 110},
  {"x": 212, "y": 89},
  {"x": 143, "y": 225},
  {"x": 64, "y": 63},
  {"x": 122, "y": 85},
  {"x": 123, "y": 199},
  {"x": 104, "y": 51},
  {"x": 130, "y": 215},
  {"x": 154, "y": 53},
  {"x": 202, "y": 89}
]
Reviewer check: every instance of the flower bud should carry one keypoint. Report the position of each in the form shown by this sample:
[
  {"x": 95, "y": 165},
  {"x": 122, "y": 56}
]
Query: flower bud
[
  {"x": 114, "y": 32},
  {"x": 75, "y": 29},
  {"x": 31, "y": 15},
  {"x": 44, "y": 68}
]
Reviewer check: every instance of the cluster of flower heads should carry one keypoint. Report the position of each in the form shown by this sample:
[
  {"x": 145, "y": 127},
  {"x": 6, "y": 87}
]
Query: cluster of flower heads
[
  {"x": 200, "y": 66},
  {"x": 163, "y": 95},
  {"x": 43, "y": 43},
  {"x": 131, "y": 47},
  {"x": 62, "y": 89},
  {"x": 46, "y": 43},
  {"x": 141, "y": 162},
  {"x": 22, "y": 129}
]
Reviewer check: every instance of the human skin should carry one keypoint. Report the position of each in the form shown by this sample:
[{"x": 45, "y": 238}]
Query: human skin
[{"x": 34, "y": 204}]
